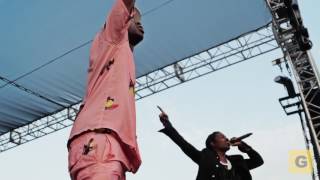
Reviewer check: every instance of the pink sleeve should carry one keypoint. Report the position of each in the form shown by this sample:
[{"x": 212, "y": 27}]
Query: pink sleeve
[
  {"x": 94, "y": 53},
  {"x": 117, "y": 23}
]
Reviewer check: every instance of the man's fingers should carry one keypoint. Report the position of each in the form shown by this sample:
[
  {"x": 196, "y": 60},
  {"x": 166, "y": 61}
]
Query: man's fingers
[
  {"x": 233, "y": 139},
  {"x": 161, "y": 109},
  {"x": 163, "y": 116},
  {"x": 236, "y": 144}
]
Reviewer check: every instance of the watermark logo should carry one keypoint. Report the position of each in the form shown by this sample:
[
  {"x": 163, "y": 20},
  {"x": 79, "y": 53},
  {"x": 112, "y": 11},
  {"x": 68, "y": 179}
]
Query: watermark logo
[{"x": 300, "y": 161}]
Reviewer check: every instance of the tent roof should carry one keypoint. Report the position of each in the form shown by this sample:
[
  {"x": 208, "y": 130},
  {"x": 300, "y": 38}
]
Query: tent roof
[{"x": 37, "y": 36}]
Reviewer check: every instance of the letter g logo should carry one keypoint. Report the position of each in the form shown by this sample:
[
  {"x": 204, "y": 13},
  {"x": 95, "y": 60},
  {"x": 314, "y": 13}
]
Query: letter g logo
[{"x": 300, "y": 161}]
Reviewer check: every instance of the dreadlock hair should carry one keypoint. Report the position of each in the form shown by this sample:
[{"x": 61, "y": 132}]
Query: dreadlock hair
[{"x": 211, "y": 138}]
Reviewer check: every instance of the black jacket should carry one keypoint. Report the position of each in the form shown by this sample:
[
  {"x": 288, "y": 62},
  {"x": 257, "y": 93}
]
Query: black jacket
[{"x": 208, "y": 160}]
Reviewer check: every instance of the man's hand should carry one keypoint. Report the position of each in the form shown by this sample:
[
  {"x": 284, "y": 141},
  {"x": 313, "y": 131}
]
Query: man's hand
[
  {"x": 164, "y": 118},
  {"x": 242, "y": 146}
]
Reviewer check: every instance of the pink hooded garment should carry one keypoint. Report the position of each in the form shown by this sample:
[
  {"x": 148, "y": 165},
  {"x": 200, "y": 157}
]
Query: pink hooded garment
[{"x": 110, "y": 99}]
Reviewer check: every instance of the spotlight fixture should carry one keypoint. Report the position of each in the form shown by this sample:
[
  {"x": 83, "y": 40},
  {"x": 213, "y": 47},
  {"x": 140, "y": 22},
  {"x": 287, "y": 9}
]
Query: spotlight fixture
[{"x": 287, "y": 84}]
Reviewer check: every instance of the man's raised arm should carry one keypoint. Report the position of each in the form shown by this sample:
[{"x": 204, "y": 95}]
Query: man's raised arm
[
  {"x": 173, "y": 134},
  {"x": 117, "y": 23}
]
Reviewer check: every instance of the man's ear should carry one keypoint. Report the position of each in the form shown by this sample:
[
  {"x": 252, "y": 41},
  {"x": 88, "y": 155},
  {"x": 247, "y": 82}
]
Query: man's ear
[{"x": 212, "y": 144}]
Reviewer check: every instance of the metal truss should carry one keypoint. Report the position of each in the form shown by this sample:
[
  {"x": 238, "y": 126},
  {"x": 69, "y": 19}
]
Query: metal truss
[
  {"x": 292, "y": 37},
  {"x": 240, "y": 49},
  {"x": 291, "y": 105},
  {"x": 39, "y": 128}
]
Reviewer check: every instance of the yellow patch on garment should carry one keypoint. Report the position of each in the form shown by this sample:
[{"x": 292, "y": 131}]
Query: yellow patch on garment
[
  {"x": 109, "y": 104},
  {"x": 132, "y": 88}
]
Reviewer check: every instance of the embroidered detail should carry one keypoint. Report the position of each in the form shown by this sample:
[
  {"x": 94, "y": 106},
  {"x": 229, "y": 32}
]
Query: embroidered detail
[
  {"x": 131, "y": 87},
  {"x": 88, "y": 147},
  {"x": 107, "y": 66},
  {"x": 109, "y": 104}
]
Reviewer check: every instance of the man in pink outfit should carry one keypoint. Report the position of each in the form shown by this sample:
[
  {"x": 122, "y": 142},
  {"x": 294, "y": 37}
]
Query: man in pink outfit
[{"x": 103, "y": 142}]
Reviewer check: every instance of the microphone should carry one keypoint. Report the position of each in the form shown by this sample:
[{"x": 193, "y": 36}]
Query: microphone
[{"x": 240, "y": 138}]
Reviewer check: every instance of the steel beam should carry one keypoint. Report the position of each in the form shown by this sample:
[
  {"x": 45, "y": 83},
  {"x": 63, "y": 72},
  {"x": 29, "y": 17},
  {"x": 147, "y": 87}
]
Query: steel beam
[{"x": 293, "y": 39}]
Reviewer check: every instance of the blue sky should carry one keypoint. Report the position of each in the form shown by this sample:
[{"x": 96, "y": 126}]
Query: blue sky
[{"x": 236, "y": 100}]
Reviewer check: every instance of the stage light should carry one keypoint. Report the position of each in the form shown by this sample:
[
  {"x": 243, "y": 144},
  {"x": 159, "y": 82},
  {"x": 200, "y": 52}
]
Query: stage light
[
  {"x": 178, "y": 70},
  {"x": 277, "y": 62},
  {"x": 301, "y": 33},
  {"x": 287, "y": 84},
  {"x": 295, "y": 4}
]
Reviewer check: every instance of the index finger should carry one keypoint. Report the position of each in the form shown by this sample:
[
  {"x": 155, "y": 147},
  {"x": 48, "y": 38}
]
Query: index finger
[{"x": 160, "y": 109}]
